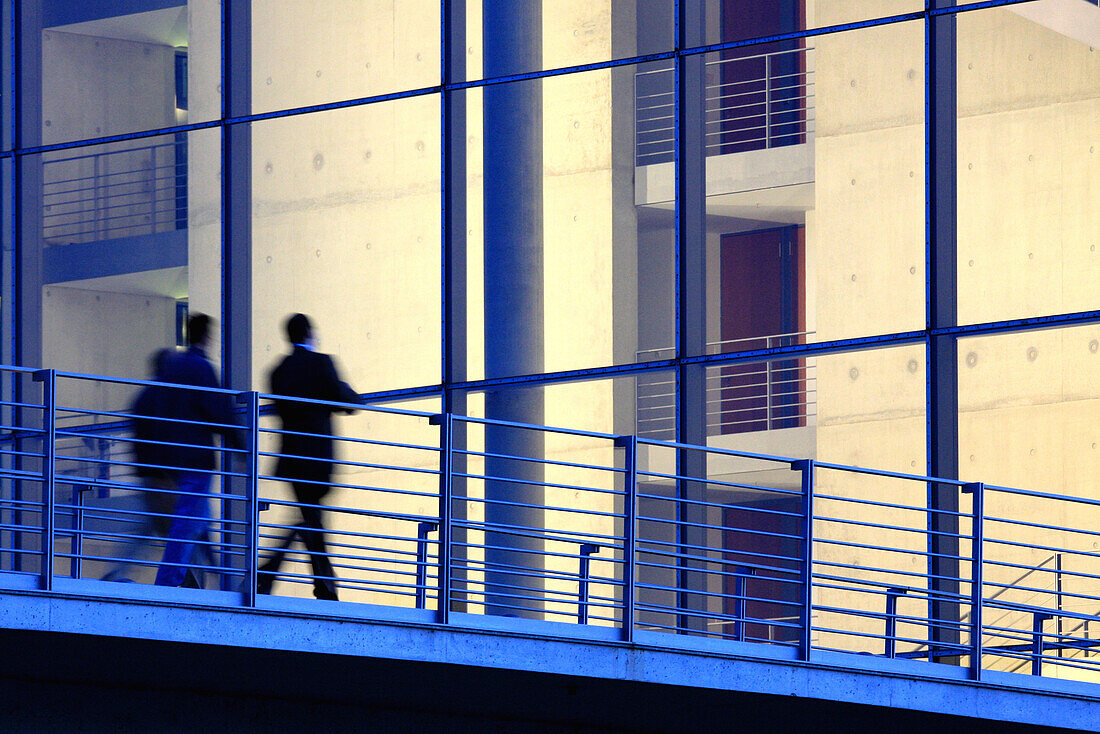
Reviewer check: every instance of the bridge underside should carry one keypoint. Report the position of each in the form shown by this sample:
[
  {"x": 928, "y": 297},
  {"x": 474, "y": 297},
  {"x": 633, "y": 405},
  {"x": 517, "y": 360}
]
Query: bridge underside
[
  {"x": 73, "y": 664},
  {"x": 67, "y": 682}
]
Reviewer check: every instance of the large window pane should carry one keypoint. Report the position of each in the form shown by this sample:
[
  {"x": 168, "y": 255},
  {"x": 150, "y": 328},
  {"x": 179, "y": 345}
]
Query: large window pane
[
  {"x": 815, "y": 189},
  {"x": 534, "y": 503},
  {"x": 91, "y": 69},
  {"x": 346, "y": 228},
  {"x": 570, "y": 257},
  {"x": 1029, "y": 419},
  {"x": 1028, "y": 412},
  {"x": 1029, "y": 163},
  {"x": 306, "y": 53},
  {"x": 500, "y": 39},
  {"x": 823, "y": 407}
]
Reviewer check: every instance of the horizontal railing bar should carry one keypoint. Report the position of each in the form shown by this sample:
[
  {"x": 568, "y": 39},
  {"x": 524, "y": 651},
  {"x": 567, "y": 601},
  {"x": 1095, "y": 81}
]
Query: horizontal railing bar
[
  {"x": 355, "y": 464},
  {"x": 679, "y": 544},
  {"x": 993, "y": 488},
  {"x": 344, "y": 485},
  {"x": 710, "y": 572},
  {"x": 890, "y": 505},
  {"x": 531, "y": 483},
  {"x": 712, "y": 482},
  {"x": 881, "y": 526},
  {"x": 535, "y": 427},
  {"x": 350, "y": 440},
  {"x": 542, "y": 507},
  {"x": 526, "y": 551},
  {"x": 545, "y": 462}
]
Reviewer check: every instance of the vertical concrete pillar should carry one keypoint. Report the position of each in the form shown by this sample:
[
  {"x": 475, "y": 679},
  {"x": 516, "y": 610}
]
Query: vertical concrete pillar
[{"x": 513, "y": 274}]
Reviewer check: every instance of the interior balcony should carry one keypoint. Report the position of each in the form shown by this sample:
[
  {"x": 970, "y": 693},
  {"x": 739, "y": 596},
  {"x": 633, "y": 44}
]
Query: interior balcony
[
  {"x": 759, "y": 139},
  {"x": 116, "y": 219},
  {"x": 1076, "y": 19}
]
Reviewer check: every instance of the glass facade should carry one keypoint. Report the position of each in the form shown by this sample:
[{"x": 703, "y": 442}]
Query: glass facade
[{"x": 779, "y": 227}]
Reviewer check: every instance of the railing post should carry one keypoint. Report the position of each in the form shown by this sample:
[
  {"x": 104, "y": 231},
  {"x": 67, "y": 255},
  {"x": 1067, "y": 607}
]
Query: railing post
[
  {"x": 251, "y": 402},
  {"x": 445, "y": 421},
  {"x": 768, "y": 391},
  {"x": 1037, "y": 645},
  {"x": 1058, "y": 600},
  {"x": 422, "y": 530},
  {"x": 892, "y": 595},
  {"x": 977, "y": 581},
  {"x": 629, "y": 444},
  {"x": 77, "y": 551},
  {"x": 739, "y": 591},
  {"x": 587, "y": 549},
  {"x": 806, "y": 466},
  {"x": 48, "y": 378},
  {"x": 767, "y": 100}
]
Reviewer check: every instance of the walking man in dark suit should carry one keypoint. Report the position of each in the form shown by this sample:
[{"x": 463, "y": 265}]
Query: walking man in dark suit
[{"x": 306, "y": 460}]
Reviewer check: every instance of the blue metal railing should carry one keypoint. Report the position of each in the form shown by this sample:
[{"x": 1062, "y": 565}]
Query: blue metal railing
[{"x": 442, "y": 513}]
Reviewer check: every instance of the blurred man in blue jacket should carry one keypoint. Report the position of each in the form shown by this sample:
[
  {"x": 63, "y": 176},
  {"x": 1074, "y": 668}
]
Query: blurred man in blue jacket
[{"x": 198, "y": 415}]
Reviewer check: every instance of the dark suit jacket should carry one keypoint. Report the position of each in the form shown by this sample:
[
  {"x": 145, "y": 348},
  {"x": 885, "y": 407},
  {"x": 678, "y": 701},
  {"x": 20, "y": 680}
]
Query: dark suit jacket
[
  {"x": 193, "y": 408},
  {"x": 307, "y": 374}
]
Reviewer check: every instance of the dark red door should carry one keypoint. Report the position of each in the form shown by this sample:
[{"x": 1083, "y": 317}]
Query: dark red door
[{"x": 762, "y": 305}]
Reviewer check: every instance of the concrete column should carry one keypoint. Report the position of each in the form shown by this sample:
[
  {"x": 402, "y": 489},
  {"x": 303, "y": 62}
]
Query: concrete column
[{"x": 513, "y": 299}]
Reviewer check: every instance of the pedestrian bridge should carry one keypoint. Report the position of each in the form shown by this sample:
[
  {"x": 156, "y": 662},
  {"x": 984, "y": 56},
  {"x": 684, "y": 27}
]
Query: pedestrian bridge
[{"x": 534, "y": 577}]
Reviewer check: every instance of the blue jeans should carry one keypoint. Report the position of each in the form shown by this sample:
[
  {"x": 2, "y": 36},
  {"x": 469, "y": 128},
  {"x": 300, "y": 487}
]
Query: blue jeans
[{"x": 193, "y": 510}]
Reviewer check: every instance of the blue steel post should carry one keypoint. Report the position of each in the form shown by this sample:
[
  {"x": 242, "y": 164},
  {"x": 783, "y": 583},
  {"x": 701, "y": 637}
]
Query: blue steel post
[
  {"x": 977, "y": 580},
  {"x": 806, "y": 466},
  {"x": 691, "y": 314},
  {"x": 587, "y": 549},
  {"x": 739, "y": 592},
  {"x": 1037, "y": 644},
  {"x": 236, "y": 245},
  {"x": 252, "y": 416},
  {"x": 422, "y": 530},
  {"x": 48, "y": 378},
  {"x": 453, "y": 260},
  {"x": 941, "y": 181},
  {"x": 446, "y": 499},
  {"x": 629, "y": 444},
  {"x": 26, "y": 202},
  {"x": 892, "y": 595}
]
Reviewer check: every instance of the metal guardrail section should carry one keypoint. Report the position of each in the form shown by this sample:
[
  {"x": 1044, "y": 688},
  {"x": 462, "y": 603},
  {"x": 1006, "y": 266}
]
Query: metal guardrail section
[
  {"x": 752, "y": 103},
  {"x": 741, "y": 398},
  {"x": 454, "y": 513},
  {"x": 123, "y": 192}
]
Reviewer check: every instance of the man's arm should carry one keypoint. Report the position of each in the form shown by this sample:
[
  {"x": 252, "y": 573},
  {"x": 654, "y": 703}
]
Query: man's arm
[{"x": 336, "y": 389}]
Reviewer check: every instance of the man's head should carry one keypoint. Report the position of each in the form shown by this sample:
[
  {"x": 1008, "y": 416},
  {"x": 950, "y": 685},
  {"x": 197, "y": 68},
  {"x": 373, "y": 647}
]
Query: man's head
[
  {"x": 298, "y": 329},
  {"x": 198, "y": 329}
]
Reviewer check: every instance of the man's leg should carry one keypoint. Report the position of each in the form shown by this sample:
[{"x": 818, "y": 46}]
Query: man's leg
[
  {"x": 190, "y": 524},
  {"x": 312, "y": 532},
  {"x": 265, "y": 574}
]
